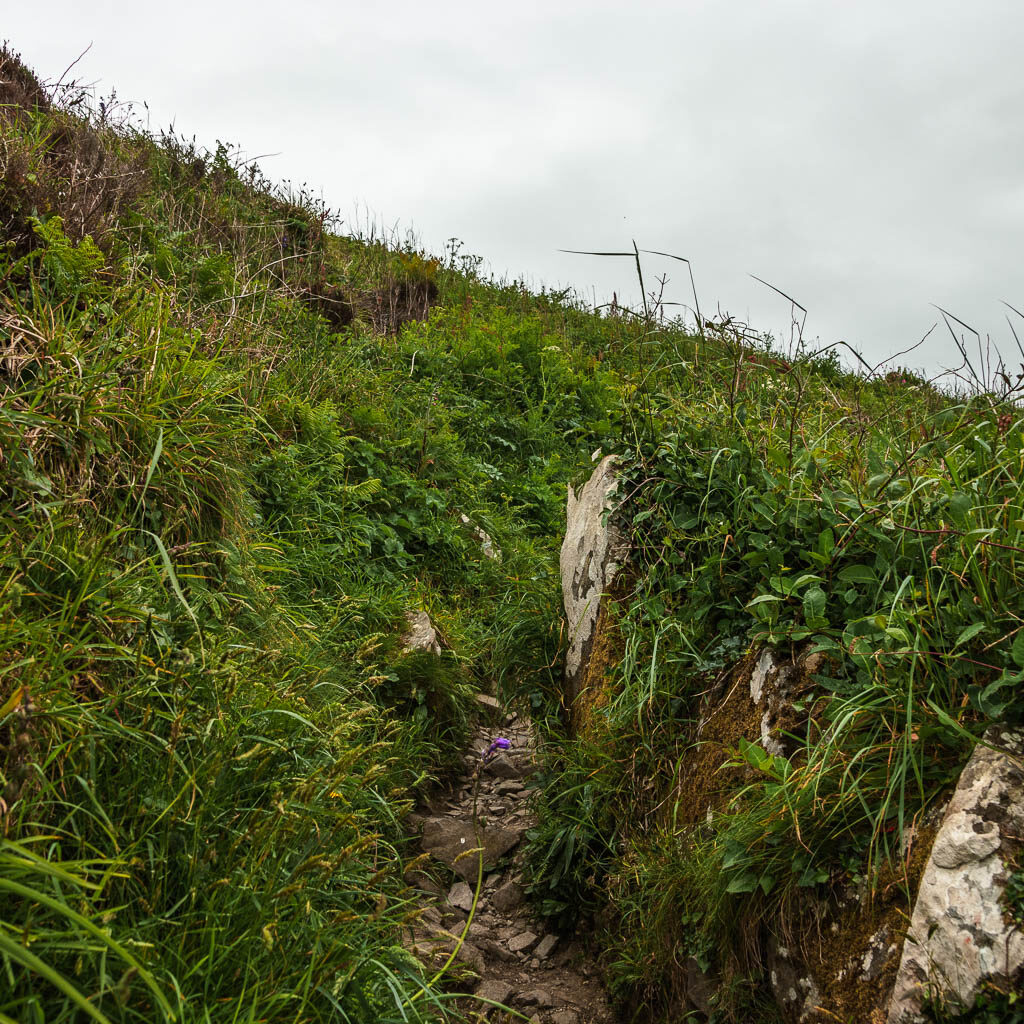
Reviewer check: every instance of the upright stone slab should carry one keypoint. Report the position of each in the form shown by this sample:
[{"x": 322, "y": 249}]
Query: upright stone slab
[
  {"x": 960, "y": 935},
  {"x": 592, "y": 553}
]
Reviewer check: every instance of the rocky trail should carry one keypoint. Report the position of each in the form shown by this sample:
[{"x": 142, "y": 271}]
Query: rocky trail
[{"x": 472, "y": 833}]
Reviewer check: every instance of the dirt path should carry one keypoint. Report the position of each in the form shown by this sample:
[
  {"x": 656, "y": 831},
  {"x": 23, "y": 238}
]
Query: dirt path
[{"x": 542, "y": 977}]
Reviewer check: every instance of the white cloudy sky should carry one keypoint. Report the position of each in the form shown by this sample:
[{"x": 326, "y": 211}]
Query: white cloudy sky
[{"x": 865, "y": 157}]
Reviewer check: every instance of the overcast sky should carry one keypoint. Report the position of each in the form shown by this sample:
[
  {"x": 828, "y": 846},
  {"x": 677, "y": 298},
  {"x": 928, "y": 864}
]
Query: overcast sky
[{"x": 865, "y": 157}]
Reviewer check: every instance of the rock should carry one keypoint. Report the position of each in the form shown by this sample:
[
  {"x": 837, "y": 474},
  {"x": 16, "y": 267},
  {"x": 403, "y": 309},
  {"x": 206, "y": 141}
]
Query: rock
[
  {"x": 509, "y": 786},
  {"x": 795, "y": 989},
  {"x": 535, "y": 997},
  {"x": 422, "y": 881},
  {"x": 769, "y": 689},
  {"x": 487, "y": 546},
  {"x": 765, "y": 664},
  {"x": 495, "y": 949},
  {"x": 872, "y": 962},
  {"x": 434, "y": 945},
  {"x": 495, "y": 990},
  {"x": 489, "y": 706},
  {"x": 593, "y": 549},
  {"x": 958, "y": 936},
  {"x": 546, "y": 947},
  {"x": 503, "y": 767},
  {"x": 565, "y": 1017},
  {"x": 461, "y": 896},
  {"x": 522, "y": 942},
  {"x": 420, "y": 634},
  {"x": 507, "y": 898},
  {"x": 450, "y": 839},
  {"x": 699, "y": 987}
]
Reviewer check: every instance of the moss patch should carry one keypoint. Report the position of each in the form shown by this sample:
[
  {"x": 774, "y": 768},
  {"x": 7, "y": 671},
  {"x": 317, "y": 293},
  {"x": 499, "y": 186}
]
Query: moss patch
[
  {"x": 836, "y": 950},
  {"x": 596, "y": 684}
]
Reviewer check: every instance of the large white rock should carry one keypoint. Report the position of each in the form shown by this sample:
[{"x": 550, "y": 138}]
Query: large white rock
[
  {"x": 958, "y": 936},
  {"x": 420, "y": 634},
  {"x": 592, "y": 552}
]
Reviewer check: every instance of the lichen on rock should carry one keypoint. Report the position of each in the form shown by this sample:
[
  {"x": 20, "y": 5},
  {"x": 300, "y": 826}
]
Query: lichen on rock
[
  {"x": 959, "y": 935},
  {"x": 592, "y": 554},
  {"x": 420, "y": 634}
]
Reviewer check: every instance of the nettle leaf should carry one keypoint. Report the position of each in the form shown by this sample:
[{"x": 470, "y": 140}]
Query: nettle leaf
[
  {"x": 805, "y": 578},
  {"x": 788, "y": 585},
  {"x": 999, "y": 694},
  {"x": 734, "y": 854},
  {"x": 1017, "y": 651},
  {"x": 812, "y": 875}
]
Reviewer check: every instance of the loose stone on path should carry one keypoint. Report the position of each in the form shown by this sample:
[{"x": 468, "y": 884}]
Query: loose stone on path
[{"x": 512, "y": 953}]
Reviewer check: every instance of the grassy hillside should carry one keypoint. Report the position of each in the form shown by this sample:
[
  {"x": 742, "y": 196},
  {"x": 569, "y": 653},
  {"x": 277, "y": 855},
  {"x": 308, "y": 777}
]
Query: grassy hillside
[
  {"x": 236, "y": 446},
  {"x": 230, "y": 460}
]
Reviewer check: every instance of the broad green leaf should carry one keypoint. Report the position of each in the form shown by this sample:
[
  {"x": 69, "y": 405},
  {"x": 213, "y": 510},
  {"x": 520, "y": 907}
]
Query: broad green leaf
[
  {"x": 815, "y": 603},
  {"x": 969, "y": 633},
  {"x": 857, "y": 574},
  {"x": 747, "y": 882},
  {"x": 960, "y": 507},
  {"x": 1017, "y": 651}
]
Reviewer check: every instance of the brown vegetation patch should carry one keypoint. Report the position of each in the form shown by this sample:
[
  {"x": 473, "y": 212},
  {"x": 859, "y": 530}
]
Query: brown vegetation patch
[
  {"x": 704, "y": 782},
  {"x": 396, "y": 303},
  {"x": 332, "y": 303},
  {"x": 595, "y": 689},
  {"x": 20, "y": 90},
  {"x": 853, "y": 949},
  {"x": 56, "y": 161}
]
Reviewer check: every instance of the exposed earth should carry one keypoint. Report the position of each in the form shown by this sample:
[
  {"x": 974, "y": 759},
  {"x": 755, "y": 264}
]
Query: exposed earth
[{"x": 523, "y": 972}]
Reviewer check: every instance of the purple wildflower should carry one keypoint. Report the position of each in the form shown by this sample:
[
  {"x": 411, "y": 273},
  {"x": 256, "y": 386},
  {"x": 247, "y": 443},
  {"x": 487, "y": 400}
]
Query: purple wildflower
[{"x": 499, "y": 744}]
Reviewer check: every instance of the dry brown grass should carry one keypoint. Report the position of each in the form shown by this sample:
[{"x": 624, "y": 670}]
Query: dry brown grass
[{"x": 60, "y": 158}]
